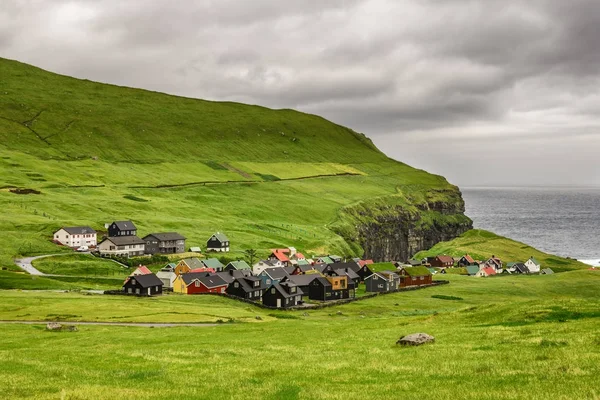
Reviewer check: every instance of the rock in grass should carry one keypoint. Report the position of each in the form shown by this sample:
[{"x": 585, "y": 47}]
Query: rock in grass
[
  {"x": 54, "y": 326},
  {"x": 415, "y": 339},
  {"x": 258, "y": 317}
]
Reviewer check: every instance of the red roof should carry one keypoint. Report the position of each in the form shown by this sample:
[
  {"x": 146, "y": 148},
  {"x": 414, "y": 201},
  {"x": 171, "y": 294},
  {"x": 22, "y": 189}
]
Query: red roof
[
  {"x": 300, "y": 256},
  {"x": 204, "y": 269},
  {"x": 362, "y": 263},
  {"x": 446, "y": 259},
  {"x": 279, "y": 254},
  {"x": 489, "y": 271},
  {"x": 469, "y": 259},
  {"x": 142, "y": 270}
]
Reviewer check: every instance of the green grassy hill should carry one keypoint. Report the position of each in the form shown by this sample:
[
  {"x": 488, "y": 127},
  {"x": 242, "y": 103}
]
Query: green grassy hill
[
  {"x": 98, "y": 153},
  {"x": 481, "y": 245}
]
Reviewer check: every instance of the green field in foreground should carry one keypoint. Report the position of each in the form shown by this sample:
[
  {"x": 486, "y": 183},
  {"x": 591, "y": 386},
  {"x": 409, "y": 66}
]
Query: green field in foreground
[
  {"x": 512, "y": 337},
  {"x": 481, "y": 245}
]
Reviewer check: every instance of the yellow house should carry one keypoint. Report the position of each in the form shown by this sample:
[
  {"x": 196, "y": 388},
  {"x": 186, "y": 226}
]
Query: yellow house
[
  {"x": 186, "y": 265},
  {"x": 179, "y": 285},
  {"x": 338, "y": 282}
]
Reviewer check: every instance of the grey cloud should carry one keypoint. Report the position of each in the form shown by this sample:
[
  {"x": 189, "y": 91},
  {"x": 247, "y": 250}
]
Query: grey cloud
[{"x": 416, "y": 75}]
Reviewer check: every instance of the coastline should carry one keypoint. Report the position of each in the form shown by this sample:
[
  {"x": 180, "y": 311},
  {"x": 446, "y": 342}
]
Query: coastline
[{"x": 593, "y": 262}]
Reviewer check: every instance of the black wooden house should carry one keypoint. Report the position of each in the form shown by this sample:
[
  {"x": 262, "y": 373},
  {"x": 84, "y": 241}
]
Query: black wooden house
[
  {"x": 149, "y": 285},
  {"x": 249, "y": 288},
  {"x": 282, "y": 295},
  {"x": 122, "y": 228}
]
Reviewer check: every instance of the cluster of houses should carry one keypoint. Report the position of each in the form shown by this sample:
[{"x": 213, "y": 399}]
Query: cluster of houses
[
  {"x": 285, "y": 279},
  {"x": 122, "y": 240},
  {"x": 492, "y": 266}
]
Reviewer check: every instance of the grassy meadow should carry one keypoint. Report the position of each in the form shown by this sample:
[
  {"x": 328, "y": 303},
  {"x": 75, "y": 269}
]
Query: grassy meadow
[
  {"x": 481, "y": 245},
  {"x": 80, "y": 265},
  {"x": 516, "y": 337}
]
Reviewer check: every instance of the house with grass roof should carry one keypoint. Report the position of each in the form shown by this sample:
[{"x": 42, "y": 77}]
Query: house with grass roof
[
  {"x": 472, "y": 270},
  {"x": 213, "y": 263},
  {"x": 237, "y": 265},
  {"x": 414, "y": 276},
  {"x": 533, "y": 265},
  {"x": 218, "y": 242}
]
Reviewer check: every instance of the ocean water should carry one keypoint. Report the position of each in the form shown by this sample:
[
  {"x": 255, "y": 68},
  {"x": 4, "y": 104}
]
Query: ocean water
[{"x": 561, "y": 221}]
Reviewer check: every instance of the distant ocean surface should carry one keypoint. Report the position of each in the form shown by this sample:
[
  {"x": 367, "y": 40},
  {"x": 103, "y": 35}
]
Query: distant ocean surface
[{"x": 561, "y": 221}]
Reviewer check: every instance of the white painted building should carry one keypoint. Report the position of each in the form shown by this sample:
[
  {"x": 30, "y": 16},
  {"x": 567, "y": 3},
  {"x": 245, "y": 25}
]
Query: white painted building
[
  {"x": 260, "y": 266},
  {"x": 533, "y": 265},
  {"x": 128, "y": 246},
  {"x": 76, "y": 236}
]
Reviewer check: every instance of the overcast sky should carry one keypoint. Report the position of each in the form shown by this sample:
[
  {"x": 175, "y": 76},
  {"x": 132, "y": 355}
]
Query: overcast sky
[{"x": 490, "y": 92}]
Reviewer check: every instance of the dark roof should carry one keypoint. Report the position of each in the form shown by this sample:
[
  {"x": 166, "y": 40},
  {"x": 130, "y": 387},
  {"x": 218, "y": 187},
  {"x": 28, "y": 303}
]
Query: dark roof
[
  {"x": 319, "y": 266},
  {"x": 193, "y": 262},
  {"x": 147, "y": 280},
  {"x": 349, "y": 273},
  {"x": 247, "y": 283},
  {"x": 302, "y": 280},
  {"x": 392, "y": 274},
  {"x": 231, "y": 275},
  {"x": 342, "y": 265},
  {"x": 284, "y": 288},
  {"x": 125, "y": 225},
  {"x": 164, "y": 236},
  {"x": 323, "y": 281},
  {"x": 124, "y": 240},
  {"x": 305, "y": 268},
  {"x": 207, "y": 279},
  {"x": 289, "y": 269},
  {"x": 276, "y": 273},
  {"x": 522, "y": 268},
  {"x": 78, "y": 230},
  {"x": 414, "y": 262}
]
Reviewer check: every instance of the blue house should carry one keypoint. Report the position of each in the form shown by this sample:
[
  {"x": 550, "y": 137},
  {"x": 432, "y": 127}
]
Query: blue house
[{"x": 272, "y": 276}]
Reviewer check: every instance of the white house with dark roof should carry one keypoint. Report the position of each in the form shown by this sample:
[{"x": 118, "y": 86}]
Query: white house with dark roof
[
  {"x": 128, "y": 246},
  {"x": 76, "y": 236},
  {"x": 533, "y": 265}
]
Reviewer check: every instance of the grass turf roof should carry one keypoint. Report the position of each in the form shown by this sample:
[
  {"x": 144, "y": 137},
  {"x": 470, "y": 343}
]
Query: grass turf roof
[{"x": 417, "y": 271}]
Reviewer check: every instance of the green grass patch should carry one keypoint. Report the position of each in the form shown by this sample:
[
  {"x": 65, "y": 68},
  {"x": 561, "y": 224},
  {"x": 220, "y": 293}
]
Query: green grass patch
[{"x": 446, "y": 297}]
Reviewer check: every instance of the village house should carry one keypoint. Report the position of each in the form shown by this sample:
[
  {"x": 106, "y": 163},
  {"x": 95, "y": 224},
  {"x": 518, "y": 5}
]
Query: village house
[
  {"x": 385, "y": 281},
  {"x": 218, "y": 242},
  {"x": 472, "y": 270},
  {"x": 441, "y": 261},
  {"x": 141, "y": 270},
  {"x": 362, "y": 263},
  {"x": 495, "y": 263},
  {"x": 466, "y": 260},
  {"x": 164, "y": 243},
  {"x": 331, "y": 288},
  {"x": 199, "y": 282},
  {"x": 364, "y": 272},
  {"x": 485, "y": 272},
  {"x": 167, "y": 275},
  {"x": 282, "y": 295},
  {"x": 280, "y": 255},
  {"x": 302, "y": 281},
  {"x": 122, "y": 228},
  {"x": 352, "y": 276},
  {"x": 302, "y": 269},
  {"x": 271, "y": 276},
  {"x": 76, "y": 236},
  {"x": 414, "y": 276},
  {"x": 533, "y": 265},
  {"x": 187, "y": 264},
  {"x": 125, "y": 246},
  {"x": 546, "y": 271},
  {"x": 233, "y": 274},
  {"x": 213, "y": 263},
  {"x": 520, "y": 268},
  {"x": 195, "y": 249},
  {"x": 236, "y": 265},
  {"x": 249, "y": 288},
  {"x": 147, "y": 284},
  {"x": 261, "y": 265},
  {"x": 324, "y": 260}
]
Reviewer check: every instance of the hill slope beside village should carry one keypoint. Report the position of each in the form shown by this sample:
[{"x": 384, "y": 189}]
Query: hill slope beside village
[{"x": 90, "y": 153}]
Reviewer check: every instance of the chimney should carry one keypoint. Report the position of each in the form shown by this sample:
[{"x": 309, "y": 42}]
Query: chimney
[{"x": 231, "y": 272}]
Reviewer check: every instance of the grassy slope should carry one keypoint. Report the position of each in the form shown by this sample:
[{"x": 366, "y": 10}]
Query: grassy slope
[
  {"x": 516, "y": 337},
  {"x": 482, "y": 244},
  {"x": 80, "y": 265},
  {"x": 97, "y": 152}
]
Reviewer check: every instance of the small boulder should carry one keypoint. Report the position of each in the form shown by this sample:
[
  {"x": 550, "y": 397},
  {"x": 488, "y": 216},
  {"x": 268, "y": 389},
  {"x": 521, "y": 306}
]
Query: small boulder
[
  {"x": 54, "y": 326},
  {"x": 258, "y": 318},
  {"x": 71, "y": 328},
  {"x": 415, "y": 339}
]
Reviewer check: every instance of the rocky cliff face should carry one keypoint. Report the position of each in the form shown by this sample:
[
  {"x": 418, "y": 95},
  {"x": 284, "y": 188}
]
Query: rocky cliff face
[{"x": 396, "y": 230}]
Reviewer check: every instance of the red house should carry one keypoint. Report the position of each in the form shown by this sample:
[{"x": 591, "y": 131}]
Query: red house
[
  {"x": 441, "y": 261},
  {"x": 200, "y": 282},
  {"x": 280, "y": 255}
]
